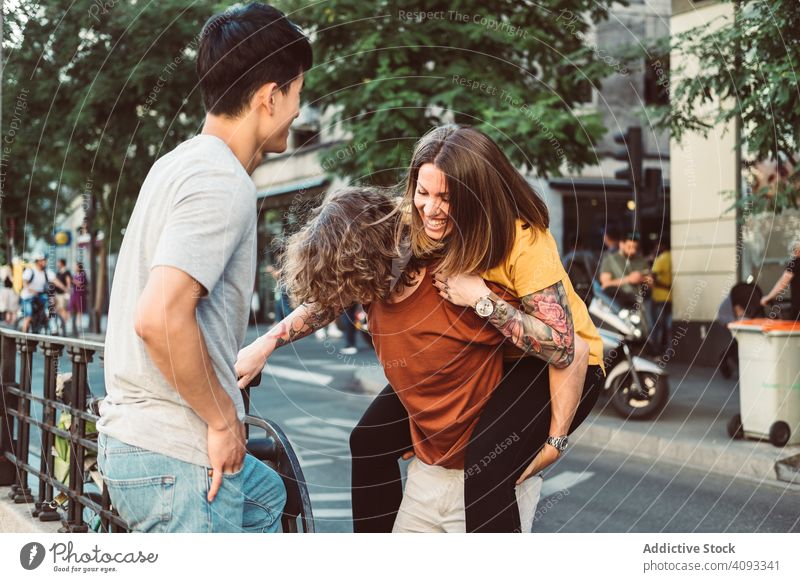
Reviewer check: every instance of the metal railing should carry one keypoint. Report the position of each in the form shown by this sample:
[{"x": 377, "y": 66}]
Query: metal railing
[{"x": 16, "y": 421}]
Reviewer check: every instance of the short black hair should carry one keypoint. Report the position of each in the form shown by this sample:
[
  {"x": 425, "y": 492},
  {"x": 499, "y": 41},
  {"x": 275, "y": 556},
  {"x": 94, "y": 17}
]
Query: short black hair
[
  {"x": 748, "y": 297},
  {"x": 243, "y": 49},
  {"x": 632, "y": 235}
]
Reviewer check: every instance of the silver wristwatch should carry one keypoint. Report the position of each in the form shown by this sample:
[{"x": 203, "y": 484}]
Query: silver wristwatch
[
  {"x": 559, "y": 443},
  {"x": 484, "y": 307}
]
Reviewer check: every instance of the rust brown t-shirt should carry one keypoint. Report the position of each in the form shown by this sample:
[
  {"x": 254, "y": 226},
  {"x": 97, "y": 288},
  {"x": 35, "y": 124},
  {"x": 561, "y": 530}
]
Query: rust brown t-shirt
[{"x": 443, "y": 361}]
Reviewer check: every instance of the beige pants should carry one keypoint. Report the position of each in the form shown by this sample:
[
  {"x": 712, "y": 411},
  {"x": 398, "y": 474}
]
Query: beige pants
[{"x": 433, "y": 500}]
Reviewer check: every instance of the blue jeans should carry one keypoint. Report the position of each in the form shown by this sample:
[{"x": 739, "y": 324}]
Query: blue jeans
[{"x": 156, "y": 493}]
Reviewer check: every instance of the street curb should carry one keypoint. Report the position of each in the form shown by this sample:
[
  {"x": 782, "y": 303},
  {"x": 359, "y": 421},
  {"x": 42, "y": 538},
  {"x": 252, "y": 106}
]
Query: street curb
[
  {"x": 17, "y": 518},
  {"x": 723, "y": 456},
  {"x": 788, "y": 469}
]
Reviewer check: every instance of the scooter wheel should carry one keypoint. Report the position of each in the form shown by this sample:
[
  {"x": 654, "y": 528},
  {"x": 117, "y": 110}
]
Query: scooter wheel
[
  {"x": 779, "y": 433},
  {"x": 735, "y": 429},
  {"x": 633, "y": 405}
]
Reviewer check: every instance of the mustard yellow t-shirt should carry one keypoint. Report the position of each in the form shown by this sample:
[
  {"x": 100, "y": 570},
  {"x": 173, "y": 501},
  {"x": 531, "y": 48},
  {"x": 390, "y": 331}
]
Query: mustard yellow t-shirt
[
  {"x": 662, "y": 271},
  {"x": 534, "y": 264}
]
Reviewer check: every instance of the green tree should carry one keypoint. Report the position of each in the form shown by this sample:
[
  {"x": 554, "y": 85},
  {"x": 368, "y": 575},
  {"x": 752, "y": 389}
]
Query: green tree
[
  {"x": 390, "y": 70},
  {"x": 749, "y": 75},
  {"x": 26, "y": 168},
  {"x": 112, "y": 87}
]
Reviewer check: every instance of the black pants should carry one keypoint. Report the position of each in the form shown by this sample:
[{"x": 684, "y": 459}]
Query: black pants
[{"x": 512, "y": 429}]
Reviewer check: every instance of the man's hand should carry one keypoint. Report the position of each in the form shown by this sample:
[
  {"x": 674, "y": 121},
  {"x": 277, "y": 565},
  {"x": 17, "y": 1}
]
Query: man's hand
[
  {"x": 634, "y": 278},
  {"x": 546, "y": 457},
  {"x": 226, "y": 450},
  {"x": 252, "y": 359}
]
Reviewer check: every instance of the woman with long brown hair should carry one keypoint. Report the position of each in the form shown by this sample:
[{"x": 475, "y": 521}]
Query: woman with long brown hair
[
  {"x": 471, "y": 208},
  {"x": 470, "y": 211}
]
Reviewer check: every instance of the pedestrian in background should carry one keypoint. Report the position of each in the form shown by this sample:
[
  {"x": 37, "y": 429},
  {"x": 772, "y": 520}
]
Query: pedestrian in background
[
  {"x": 789, "y": 280},
  {"x": 662, "y": 301},
  {"x": 625, "y": 275},
  {"x": 78, "y": 299},
  {"x": 9, "y": 301},
  {"x": 280, "y": 298},
  {"x": 62, "y": 294},
  {"x": 348, "y": 323}
]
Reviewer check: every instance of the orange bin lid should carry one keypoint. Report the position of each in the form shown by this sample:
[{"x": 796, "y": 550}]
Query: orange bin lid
[{"x": 767, "y": 325}]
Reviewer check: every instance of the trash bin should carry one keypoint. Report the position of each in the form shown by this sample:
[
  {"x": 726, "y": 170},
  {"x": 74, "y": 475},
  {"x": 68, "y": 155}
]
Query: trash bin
[{"x": 769, "y": 381}]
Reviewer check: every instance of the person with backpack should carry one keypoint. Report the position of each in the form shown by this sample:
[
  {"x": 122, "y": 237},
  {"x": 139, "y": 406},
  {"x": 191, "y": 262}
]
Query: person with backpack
[{"x": 37, "y": 284}]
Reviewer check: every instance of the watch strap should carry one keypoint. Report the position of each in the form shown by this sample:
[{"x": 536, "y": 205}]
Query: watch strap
[{"x": 559, "y": 442}]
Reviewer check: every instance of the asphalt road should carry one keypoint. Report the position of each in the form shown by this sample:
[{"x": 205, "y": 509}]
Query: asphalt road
[{"x": 309, "y": 389}]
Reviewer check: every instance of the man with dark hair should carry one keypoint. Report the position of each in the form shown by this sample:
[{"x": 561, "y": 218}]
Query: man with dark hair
[
  {"x": 625, "y": 274},
  {"x": 172, "y": 439}
]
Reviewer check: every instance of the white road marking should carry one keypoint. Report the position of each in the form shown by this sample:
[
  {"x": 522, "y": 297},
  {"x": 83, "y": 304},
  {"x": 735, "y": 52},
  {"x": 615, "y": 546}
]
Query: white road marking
[
  {"x": 332, "y": 451},
  {"x": 315, "y": 462},
  {"x": 320, "y": 428},
  {"x": 327, "y": 420},
  {"x": 564, "y": 481},
  {"x": 295, "y": 375},
  {"x": 331, "y": 513},
  {"x": 331, "y": 433},
  {"x": 308, "y": 437},
  {"x": 330, "y": 497}
]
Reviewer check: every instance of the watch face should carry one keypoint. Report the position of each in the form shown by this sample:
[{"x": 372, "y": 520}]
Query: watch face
[{"x": 484, "y": 308}]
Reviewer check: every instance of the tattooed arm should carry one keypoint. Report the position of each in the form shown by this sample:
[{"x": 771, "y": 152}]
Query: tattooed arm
[
  {"x": 300, "y": 323},
  {"x": 542, "y": 327}
]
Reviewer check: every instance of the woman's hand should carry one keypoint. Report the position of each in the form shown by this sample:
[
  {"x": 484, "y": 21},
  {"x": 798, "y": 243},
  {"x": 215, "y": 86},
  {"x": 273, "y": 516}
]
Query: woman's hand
[
  {"x": 546, "y": 457},
  {"x": 463, "y": 289},
  {"x": 251, "y": 360}
]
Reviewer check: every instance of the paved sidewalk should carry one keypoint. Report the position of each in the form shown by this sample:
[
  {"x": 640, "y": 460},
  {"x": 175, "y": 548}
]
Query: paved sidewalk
[{"x": 691, "y": 431}]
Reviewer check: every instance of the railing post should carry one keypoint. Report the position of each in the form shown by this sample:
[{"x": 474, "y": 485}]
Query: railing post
[
  {"x": 80, "y": 386},
  {"x": 45, "y": 510},
  {"x": 8, "y": 375},
  {"x": 26, "y": 348}
]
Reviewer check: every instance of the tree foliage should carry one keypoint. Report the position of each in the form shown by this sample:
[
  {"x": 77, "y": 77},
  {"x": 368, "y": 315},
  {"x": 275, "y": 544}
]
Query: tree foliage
[
  {"x": 392, "y": 69},
  {"x": 110, "y": 87},
  {"x": 748, "y": 71}
]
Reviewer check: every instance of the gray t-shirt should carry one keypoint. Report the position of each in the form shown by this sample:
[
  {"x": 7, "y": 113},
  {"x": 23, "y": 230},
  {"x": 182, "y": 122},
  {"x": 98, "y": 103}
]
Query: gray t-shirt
[{"x": 196, "y": 211}]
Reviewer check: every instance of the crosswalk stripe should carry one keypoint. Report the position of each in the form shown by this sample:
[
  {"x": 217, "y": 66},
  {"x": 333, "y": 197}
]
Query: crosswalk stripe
[
  {"x": 331, "y": 513},
  {"x": 330, "y": 497},
  {"x": 295, "y": 375},
  {"x": 564, "y": 481}
]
